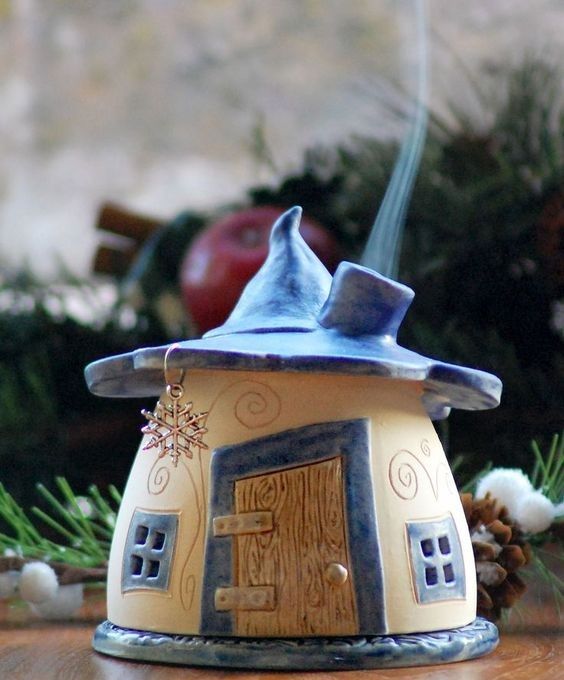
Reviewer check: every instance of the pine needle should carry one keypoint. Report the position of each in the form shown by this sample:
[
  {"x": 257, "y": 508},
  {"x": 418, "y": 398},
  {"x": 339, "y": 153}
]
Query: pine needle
[
  {"x": 548, "y": 472},
  {"x": 87, "y": 537}
]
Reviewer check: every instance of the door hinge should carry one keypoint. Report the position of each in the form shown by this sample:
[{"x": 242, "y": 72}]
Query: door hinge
[
  {"x": 261, "y": 598},
  {"x": 243, "y": 523}
]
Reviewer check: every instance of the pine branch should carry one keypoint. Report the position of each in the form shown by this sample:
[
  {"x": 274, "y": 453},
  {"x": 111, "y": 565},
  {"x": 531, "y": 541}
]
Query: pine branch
[{"x": 84, "y": 522}]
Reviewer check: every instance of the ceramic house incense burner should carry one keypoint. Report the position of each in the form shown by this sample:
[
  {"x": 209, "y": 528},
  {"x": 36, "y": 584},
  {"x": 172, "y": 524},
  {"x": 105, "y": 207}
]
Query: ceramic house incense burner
[{"x": 290, "y": 505}]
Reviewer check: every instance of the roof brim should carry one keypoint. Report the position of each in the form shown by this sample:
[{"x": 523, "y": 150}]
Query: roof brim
[{"x": 140, "y": 373}]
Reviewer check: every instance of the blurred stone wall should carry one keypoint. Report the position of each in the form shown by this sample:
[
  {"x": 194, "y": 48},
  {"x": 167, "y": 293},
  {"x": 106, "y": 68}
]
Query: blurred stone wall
[{"x": 156, "y": 103}]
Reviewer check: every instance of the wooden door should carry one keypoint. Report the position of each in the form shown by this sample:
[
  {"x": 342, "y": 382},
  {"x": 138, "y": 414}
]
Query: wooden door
[{"x": 305, "y": 557}]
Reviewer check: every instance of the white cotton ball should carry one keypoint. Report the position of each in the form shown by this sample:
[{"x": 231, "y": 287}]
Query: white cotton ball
[
  {"x": 63, "y": 605},
  {"x": 9, "y": 581},
  {"x": 534, "y": 513},
  {"x": 38, "y": 582},
  {"x": 506, "y": 485}
]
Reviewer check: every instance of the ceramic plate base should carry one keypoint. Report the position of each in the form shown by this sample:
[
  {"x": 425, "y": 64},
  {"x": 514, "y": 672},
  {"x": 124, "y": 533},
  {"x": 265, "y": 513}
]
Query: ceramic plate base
[{"x": 385, "y": 651}]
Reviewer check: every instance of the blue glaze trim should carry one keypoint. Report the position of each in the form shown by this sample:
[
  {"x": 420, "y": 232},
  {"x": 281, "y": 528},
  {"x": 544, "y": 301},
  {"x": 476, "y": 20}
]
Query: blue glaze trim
[{"x": 301, "y": 446}]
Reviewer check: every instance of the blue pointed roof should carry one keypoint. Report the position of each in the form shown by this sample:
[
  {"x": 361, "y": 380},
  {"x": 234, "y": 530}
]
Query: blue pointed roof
[
  {"x": 288, "y": 291},
  {"x": 293, "y": 316}
]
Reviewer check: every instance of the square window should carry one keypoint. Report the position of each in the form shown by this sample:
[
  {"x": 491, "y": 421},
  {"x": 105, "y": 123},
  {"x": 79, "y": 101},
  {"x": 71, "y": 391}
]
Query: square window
[
  {"x": 437, "y": 565},
  {"x": 158, "y": 540},
  {"x": 431, "y": 576},
  {"x": 444, "y": 545},
  {"x": 136, "y": 565},
  {"x": 449, "y": 573},
  {"x": 148, "y": 551},
  {"x": 141, "y": 534},
  {"x": 427, "y": 547},
  {"x": 153, "y": 571}
]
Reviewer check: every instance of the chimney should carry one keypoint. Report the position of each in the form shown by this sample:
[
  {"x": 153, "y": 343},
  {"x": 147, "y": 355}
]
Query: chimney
[{"x": 363, "y": 302}]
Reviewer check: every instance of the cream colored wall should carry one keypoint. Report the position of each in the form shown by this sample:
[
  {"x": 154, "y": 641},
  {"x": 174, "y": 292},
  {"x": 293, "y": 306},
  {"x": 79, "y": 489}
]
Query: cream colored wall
[
  {"x": 412, "y": 481},
  {"x": 245, "y": 405}
]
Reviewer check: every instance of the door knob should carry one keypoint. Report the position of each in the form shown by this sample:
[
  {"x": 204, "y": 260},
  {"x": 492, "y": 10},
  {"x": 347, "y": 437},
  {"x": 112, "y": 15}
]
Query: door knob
[{"x": 336, "y": 574}]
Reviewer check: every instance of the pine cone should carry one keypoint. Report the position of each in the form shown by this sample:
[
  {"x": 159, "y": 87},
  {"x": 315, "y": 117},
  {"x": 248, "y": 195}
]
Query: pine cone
[{"x": 499, "y": 550}]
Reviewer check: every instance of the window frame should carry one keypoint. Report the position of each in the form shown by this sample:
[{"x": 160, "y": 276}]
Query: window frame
[{"x": 157, "y": 525}]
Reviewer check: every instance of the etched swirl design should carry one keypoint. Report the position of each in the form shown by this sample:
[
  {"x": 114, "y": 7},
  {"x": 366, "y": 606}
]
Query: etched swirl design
[
  {"x": 188, "y": 591},
  {"x": 406, "y": 468},
  {"x": 188, "y": 575},
  {"x": 159, "y": 477},
  {"x": 257, "y": 406},
  {"x": 402, "y": 473},
  {"x": 445, "y": 479}
]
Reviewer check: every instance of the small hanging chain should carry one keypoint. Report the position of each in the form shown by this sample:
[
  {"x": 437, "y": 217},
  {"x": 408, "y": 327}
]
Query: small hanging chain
[{"x": 173, "y": 428}]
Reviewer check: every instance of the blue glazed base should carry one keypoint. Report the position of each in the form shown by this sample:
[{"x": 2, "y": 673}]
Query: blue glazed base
[{"x": 385, "y": 651}]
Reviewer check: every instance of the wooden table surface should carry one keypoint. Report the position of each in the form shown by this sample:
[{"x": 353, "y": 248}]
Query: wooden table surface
[{"x": 531, "y": 647}]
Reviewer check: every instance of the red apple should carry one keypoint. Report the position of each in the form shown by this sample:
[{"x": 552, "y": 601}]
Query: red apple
[{"x": 221, "y": 260}]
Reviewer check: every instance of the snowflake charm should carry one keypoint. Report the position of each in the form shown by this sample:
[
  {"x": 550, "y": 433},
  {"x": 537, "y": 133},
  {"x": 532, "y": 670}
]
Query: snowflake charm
[{"x": 174, "y": 429}]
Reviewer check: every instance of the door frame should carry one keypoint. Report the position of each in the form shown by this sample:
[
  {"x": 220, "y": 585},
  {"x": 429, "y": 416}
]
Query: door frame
[{"x": 348, "y": 439}]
